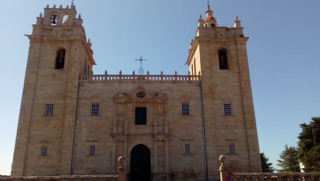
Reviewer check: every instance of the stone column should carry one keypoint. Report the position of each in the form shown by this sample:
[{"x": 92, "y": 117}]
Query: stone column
[
  {"x": 125, "y": 147},
  {"x": 155, "y": 156},
  {"x": 166, "y": 129},
  {"x": 113, "y": 155},
  {"x": 126, "y": 121},
  {"x": 155, "y": 124},
  {"x": 115, "y": 118},
  {"x": 167, "y": 156}
]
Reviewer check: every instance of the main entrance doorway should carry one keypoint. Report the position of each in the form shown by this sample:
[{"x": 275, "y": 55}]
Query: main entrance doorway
[{"x": 140, "y": 165}]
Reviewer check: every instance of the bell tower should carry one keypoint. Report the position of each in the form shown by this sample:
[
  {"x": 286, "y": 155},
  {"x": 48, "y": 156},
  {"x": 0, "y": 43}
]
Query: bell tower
[
  {"x": 219, "y": 55},
  {"x": 58, "y": 54}
]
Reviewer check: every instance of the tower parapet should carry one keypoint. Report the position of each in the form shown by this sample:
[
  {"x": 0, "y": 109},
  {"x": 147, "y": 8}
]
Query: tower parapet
[
  {"x": 63, "y": 23},
  {"x": 209, "y": 29},
  {"x": 60, "y": 16}
]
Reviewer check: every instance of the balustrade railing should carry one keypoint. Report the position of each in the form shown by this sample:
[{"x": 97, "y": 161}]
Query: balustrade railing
[
  {"x": 264, "y": 176},
  {"x": 261, "y": 176},
  {"x": 61, "y": 178},
  {"x": 227, "y": 175},
  {"x": 133, "y": 77},
  {"x": 120, "y": 176}
]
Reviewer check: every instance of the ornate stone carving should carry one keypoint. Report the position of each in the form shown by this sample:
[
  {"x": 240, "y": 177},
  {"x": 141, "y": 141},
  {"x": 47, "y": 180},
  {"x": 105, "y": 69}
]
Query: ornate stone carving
[
  {"x": 121, "y": 97},
  {"x": 160, "y": 97}
]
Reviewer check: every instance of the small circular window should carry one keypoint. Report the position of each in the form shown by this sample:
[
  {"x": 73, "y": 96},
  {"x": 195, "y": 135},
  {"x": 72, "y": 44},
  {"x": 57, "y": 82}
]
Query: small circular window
[{"x": 141, "y": 94}]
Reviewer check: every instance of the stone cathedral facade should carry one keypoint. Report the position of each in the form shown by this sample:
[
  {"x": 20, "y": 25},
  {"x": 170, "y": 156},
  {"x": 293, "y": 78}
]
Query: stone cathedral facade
[{"x": 166, "y": 126}]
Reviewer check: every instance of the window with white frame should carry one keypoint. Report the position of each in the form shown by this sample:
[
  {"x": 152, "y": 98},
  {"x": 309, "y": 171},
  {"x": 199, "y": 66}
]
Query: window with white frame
[
  {"x": 185, "y": 110},
  {"x": 94, "y": 109},
  {"x": 227, "y": 109},
  {"x": 48, "y": 110}
]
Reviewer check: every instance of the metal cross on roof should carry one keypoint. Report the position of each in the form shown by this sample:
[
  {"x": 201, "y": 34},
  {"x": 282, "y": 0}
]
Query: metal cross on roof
[{"x": 141, "y": 71}]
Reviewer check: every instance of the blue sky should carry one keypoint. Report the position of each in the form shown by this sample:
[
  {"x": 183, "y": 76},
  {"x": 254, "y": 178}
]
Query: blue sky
[{"x": 283, "y": 52}]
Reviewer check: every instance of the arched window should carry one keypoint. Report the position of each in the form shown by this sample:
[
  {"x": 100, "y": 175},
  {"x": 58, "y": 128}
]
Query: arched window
[
  {"x": 54, "y": 18},
  {"x": 223, "y": 59},
  {"x": 60, "y": 59},
  {"x": 65, "y": 20}
]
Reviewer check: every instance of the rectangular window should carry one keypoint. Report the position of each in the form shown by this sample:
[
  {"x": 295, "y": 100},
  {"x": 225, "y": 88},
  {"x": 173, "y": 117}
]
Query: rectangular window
[
  {"x": 185, "y": 108},
  {"x": 187, "y": 149},
  {"x": 95, "y": 109},
  {"x": 60, "y": 59},
  {"x": 44, "y": 151},
  {"x": 231, "y": 148},
  {"x": 227, "y": 109},
  {"x": 92, "y": 149},
  {"x": 223, "y": 59},
  {"x": 141, "y": 116},
  {"x": 49, "y": 110}
]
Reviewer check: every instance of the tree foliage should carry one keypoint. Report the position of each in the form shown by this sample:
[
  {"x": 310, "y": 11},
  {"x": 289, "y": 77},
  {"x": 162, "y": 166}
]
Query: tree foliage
[
  {"x": 289, "y": 160},
  {"x": 309, "y": 145},
  {"x": 265, "y": 164}
]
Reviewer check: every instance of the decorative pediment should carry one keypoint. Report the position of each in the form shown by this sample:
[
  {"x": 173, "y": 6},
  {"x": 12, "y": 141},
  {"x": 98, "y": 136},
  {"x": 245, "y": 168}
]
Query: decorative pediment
[{"x": 140, "y": 95}]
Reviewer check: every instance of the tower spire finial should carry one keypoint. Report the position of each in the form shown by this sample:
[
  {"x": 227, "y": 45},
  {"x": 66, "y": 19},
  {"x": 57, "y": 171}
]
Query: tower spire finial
[
  {"x": 72, "y": 2},
  {"x": 208, "y": 3}
]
